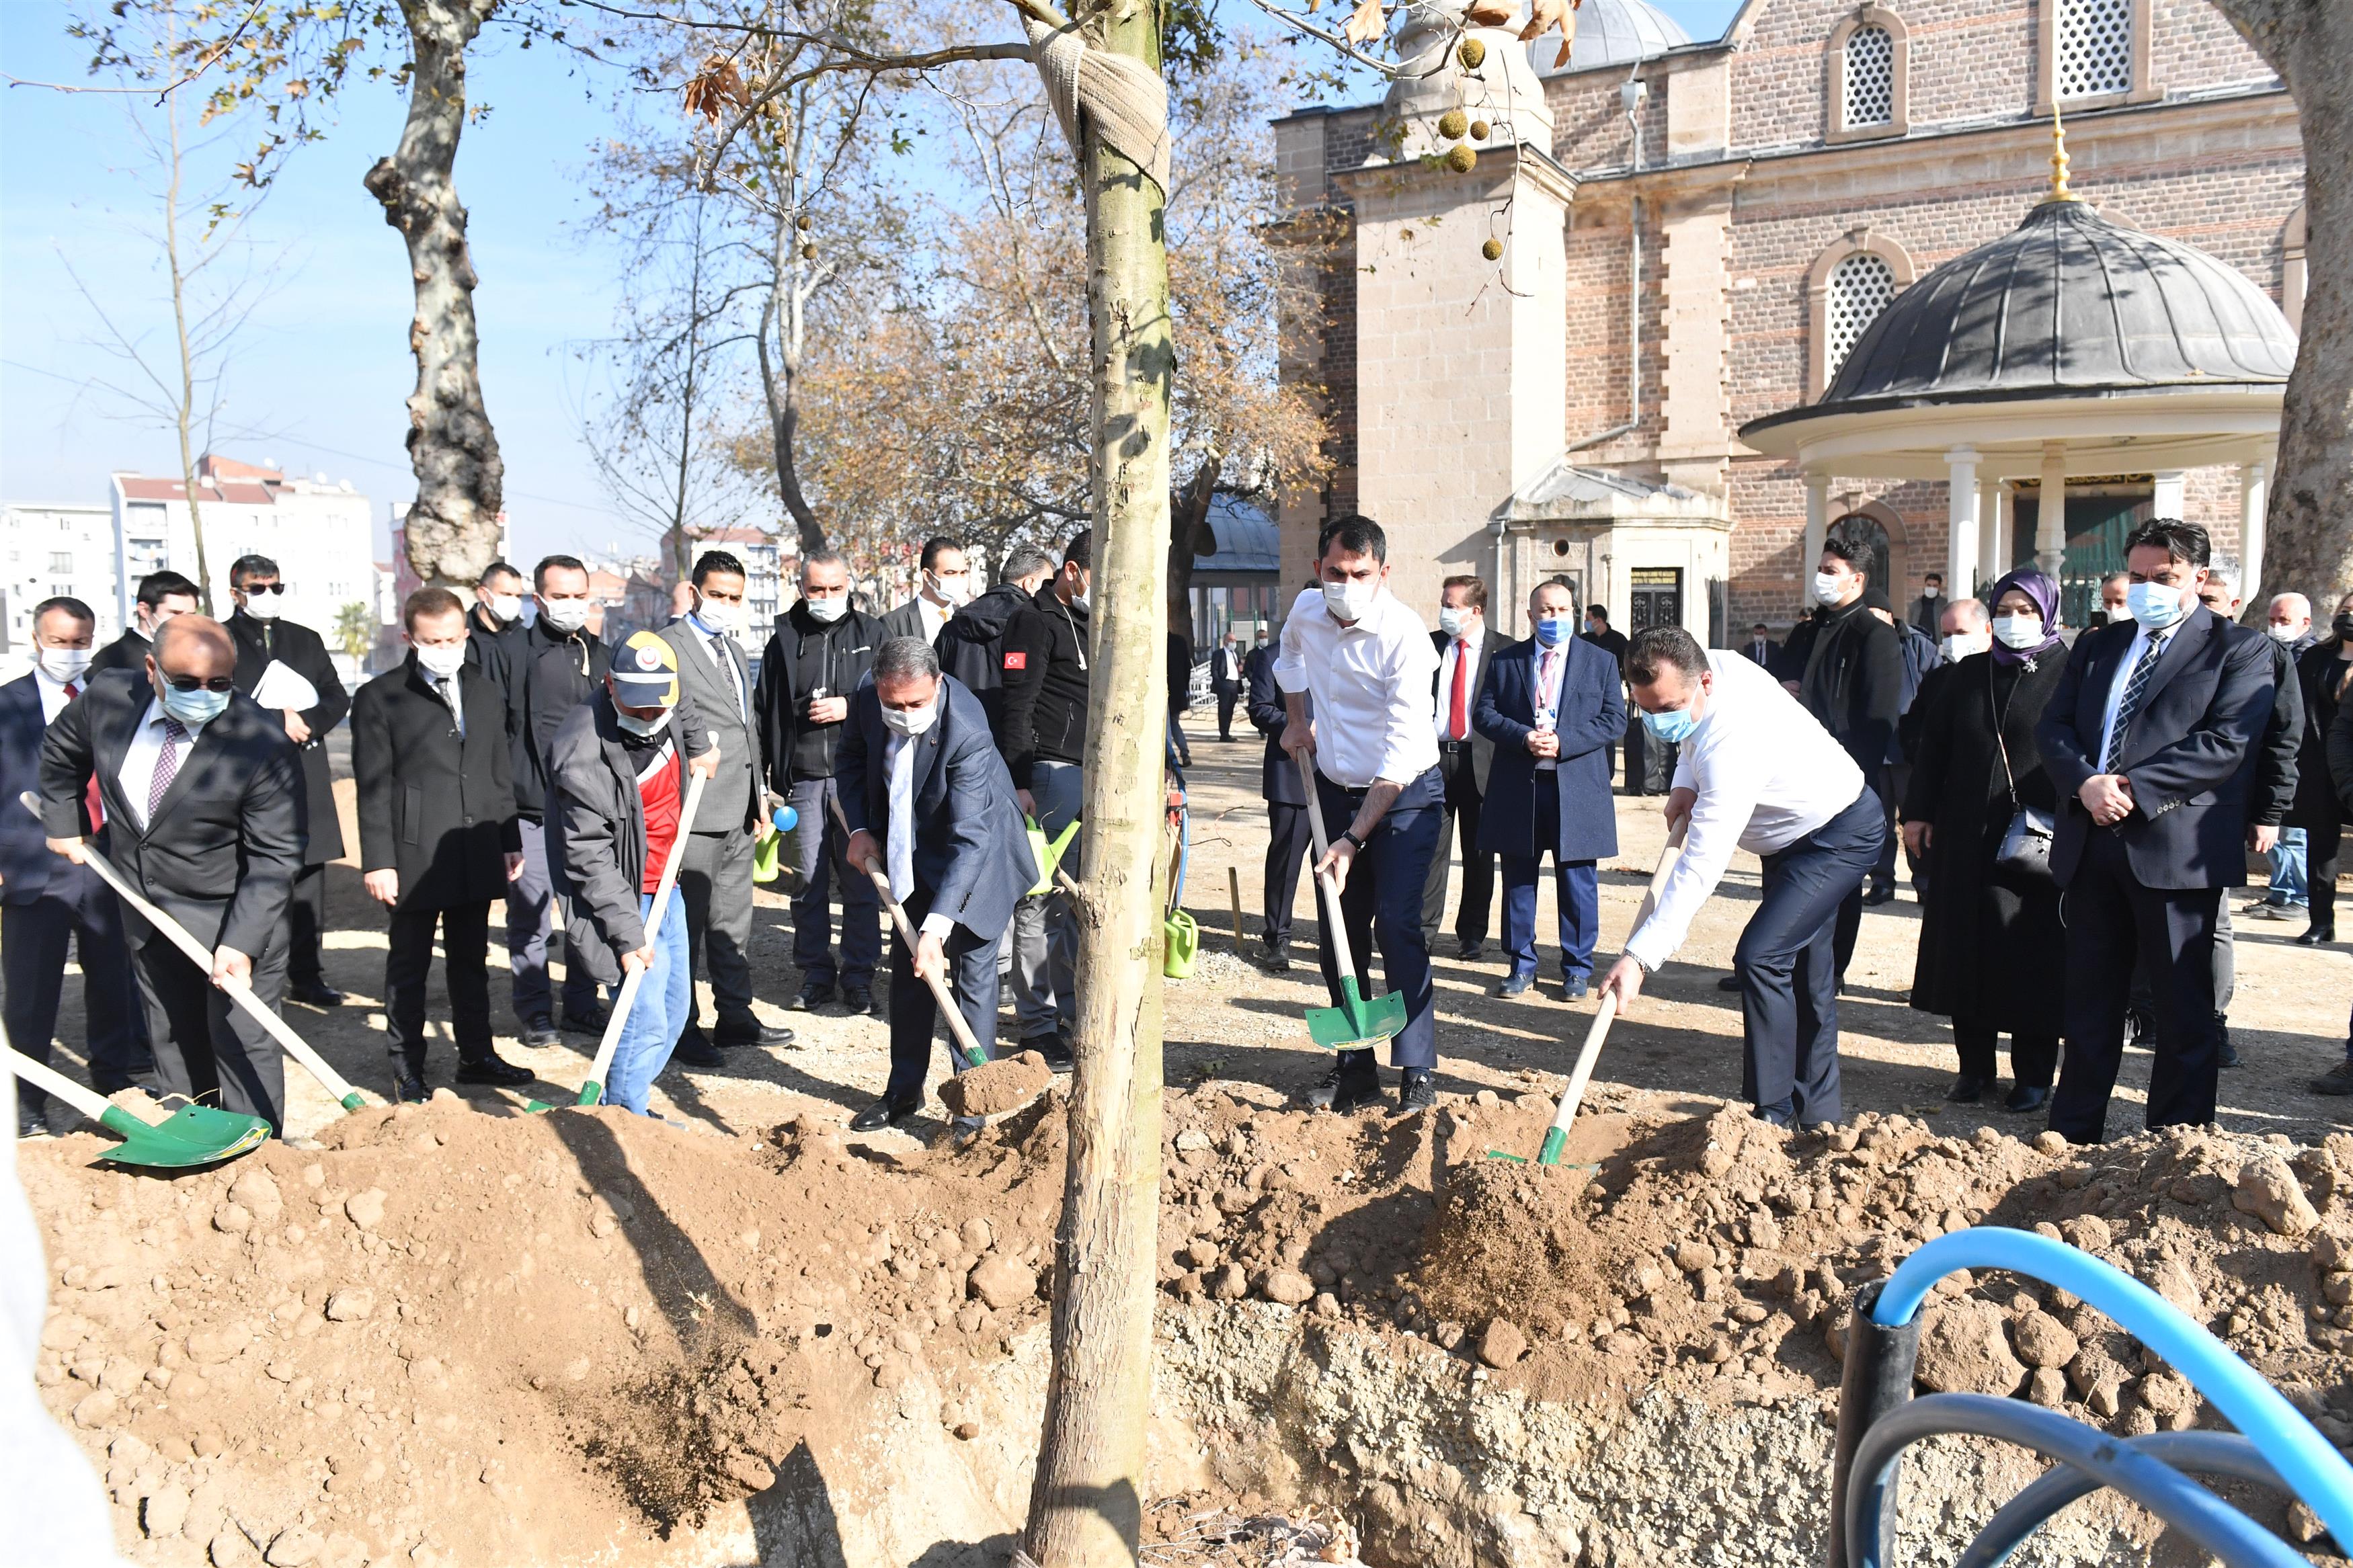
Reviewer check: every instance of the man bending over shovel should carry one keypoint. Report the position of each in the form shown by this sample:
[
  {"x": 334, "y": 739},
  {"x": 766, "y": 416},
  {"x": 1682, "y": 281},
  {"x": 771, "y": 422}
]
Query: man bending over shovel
[
  {"x": 1367, "y": 662},
  {"x": 1759, "y": 773},
  {"x": 618, "y": 766}
]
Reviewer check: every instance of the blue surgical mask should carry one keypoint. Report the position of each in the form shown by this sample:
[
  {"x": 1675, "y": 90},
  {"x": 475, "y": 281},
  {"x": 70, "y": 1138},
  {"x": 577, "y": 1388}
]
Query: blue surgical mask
[
  {"x": 1671, "y": 726},
  {"x": 197, "y": 707},
  {"x": 2154, "y": 604},
  {"x": 1553, "y": 630}
]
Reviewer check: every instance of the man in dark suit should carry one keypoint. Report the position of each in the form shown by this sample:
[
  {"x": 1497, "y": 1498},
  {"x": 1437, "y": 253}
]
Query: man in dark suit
[
  {"x": 732, "y": 818},
  {"x": 1601, "y": 634},
  {"x": 929, "y": 803},
  {"x": 943, "y": 583},
  {"x": 1289, "y": 837},
  {"x": 439, "y": 839},
  {"x": 162, "y": 595},
  {"x": 204, "y": 801},
  {"x": 262, "y": 639},
  {"x": 1226, "y": 683},
  {"x": 1465, "y": 651},
  {"x": 494, "y": 625},
  {"x": 1760, "y": 647},
  {"x": 1927, "y": 611},
  {"x": 2151, "y": 738},
  {"x": 1551, "y": 706},
  {"x": 46, "y": 903}
]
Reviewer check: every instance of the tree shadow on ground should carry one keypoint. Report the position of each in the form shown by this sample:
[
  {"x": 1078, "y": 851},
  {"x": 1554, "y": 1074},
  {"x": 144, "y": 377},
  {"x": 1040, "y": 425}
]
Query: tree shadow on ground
[{"x": 684, "y": 1284}]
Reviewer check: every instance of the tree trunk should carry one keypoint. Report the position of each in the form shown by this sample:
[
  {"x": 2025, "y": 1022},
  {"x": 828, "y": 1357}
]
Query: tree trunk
[
  {"x": 1188, "y": 525},
  {"x": 783, "y": 333},
  {"x": 452, "y": 530},
  {"x": 1086, "y": 1505},
  {"x": 187, "y": 396},
  {"x": 2308, "y": 544}
]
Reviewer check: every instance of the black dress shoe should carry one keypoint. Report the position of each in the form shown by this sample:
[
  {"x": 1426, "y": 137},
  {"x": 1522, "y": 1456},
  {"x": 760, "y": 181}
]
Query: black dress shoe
[
  {"x": 1967, "y": 1089},
  {"x": 320, "y": 995},
  {"x": 1274, "y": 957},
  {"x": 882, "y": 1113},
  {"x": 2027, "y": 1096},
  {"x": 540, "y": 1034},
  {"x": 1471, "y": 948},
  {"x": 1730, "y": 981},
  {"x": 811, "y": 995},
  {"x": 773, "y": 1036},
  {"x": 858, "y": 1001},
  {"x": 1575, "y": 990},
  {"x": 1056, "y": 1048},
  {"x": 584, "y": 1023},
  {"x": 1350, "y": 1083},
  {"x": 408, "y": 1088},
  {"x": 1514, "y": 985},
  {"x": 2316, "y": 936},
  {"x": 2230, "y": 1052},
  {"x": 494, "y": 1070},
  {"x": 1879, "y": 896},
  {"x": 695, "y": 1050},
  {"x": 31, "y": 1124},
  {"x": 1415, "y": 1091}
]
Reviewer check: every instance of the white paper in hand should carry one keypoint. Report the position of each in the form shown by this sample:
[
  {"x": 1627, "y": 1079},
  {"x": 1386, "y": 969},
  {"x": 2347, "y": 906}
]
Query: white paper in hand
[{"x": 281, "y": 686}]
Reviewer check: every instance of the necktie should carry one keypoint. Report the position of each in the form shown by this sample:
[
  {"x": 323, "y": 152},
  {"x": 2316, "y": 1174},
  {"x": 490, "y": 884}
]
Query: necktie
[
  {"x": 1545, "y": 695},
  {"x": 1457, "y": 716},
  {"x": 167, "y": 765},
  {"x": 91, "y": 802},
  {"x": 2135, "y": 685},
  {"x": 449, "y": 688},
  {"x": 719, "y": 652}
]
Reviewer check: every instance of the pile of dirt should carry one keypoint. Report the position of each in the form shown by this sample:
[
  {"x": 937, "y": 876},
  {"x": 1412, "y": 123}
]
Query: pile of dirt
[{"x": 446, "y": 1335}]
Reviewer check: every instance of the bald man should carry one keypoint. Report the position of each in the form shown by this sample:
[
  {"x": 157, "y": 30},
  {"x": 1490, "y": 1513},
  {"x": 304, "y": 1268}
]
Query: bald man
[{"x": 205, "y": 807}]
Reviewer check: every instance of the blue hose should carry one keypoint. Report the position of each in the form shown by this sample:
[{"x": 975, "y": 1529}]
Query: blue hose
[
  {"x": 2204, "y": 1453},
  {"x": 2157, "y": 1487},
  {"x": 2303, "y": 1457}
]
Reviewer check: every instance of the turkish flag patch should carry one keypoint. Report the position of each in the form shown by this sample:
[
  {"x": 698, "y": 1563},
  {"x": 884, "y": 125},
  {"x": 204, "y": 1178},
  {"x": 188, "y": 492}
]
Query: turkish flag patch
[{"x": 1017, "y": 661}]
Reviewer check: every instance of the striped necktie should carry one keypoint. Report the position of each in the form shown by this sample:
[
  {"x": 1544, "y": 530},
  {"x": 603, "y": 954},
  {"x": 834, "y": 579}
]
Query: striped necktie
[
  {"x": 167, "y": 765},
  {"x": 2135, "y": 685}
]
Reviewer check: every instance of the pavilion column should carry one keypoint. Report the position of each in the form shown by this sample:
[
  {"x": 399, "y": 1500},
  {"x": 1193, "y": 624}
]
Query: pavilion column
[
  {"x": 1960, "y": 519},
  {"x": 1818, "y": 526},
  {"x": 2051, "y": 513},
  {"x": 2255, "y": 494},
  {"x": 1993, "y": 533},
  {"x": 2167, "y": 501}
]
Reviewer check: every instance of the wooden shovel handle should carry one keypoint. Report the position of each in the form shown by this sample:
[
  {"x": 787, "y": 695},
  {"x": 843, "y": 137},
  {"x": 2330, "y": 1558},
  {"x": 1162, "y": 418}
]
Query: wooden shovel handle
[
  {"x": 970, "y": 1048},
  {"x": 1334, "y": 922}
]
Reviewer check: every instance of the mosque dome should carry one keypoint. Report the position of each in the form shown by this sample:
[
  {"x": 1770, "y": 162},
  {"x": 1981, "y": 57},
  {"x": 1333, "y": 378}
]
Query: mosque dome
[{"x": 1610, "y": 33}]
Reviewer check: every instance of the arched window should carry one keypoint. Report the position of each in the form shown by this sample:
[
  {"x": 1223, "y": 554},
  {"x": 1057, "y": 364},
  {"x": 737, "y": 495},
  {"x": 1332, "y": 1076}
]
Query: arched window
[
  {"x": 1870, "y": 78},
  {"x": 1869, "y": 61},
  {"x": 1860, "y": 287}
]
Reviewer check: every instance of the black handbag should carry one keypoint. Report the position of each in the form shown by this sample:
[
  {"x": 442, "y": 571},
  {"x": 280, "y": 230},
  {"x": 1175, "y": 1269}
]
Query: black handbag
[{"x": 2025, "y": 851}]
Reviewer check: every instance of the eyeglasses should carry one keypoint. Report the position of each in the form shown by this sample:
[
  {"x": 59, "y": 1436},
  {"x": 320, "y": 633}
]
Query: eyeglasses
[
  {"x": 252, "y": 588},
  {"x": 199, "y": 683}
]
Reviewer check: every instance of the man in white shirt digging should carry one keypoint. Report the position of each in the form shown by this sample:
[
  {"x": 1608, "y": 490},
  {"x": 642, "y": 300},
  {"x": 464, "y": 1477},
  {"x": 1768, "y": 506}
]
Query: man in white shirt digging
[{"x": 1757, "y": 772}]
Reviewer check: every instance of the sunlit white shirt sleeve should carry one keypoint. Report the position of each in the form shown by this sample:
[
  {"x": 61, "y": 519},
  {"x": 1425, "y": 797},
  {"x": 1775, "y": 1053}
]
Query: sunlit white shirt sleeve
[{"x": 1728, "y": 799}]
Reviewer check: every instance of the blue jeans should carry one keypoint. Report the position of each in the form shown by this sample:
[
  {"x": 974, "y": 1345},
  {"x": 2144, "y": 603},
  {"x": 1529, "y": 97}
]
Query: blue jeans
[
  {"x": 2288, "y": 889},
  {"x": 657, "y": 1014},
  {"x": 1788, "y": 973},
  {"x": 1577, "y": 889}
]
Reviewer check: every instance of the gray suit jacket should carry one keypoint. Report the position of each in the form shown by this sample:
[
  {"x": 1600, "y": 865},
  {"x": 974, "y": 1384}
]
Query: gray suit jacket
[
  {"x": 732, "y": 801},
  {"x": 907, "y": 621}
]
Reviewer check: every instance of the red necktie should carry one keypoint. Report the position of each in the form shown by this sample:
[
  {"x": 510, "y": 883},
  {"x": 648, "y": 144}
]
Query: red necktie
[
  {"x": 91, "y": 801},
  {"x": 1457, "y": 716}
]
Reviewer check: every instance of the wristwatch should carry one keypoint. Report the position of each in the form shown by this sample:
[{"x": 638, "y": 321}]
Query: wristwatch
[{"x": 1350, "y": 834}]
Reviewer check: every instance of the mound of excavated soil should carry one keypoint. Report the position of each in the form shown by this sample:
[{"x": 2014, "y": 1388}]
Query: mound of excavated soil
[{"x": 443, "y": 1335}]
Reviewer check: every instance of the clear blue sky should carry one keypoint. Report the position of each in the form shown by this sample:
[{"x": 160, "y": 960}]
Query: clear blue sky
[{"x": 323, "y": 367}]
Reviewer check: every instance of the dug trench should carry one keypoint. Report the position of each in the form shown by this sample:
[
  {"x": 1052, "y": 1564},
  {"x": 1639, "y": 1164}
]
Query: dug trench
[{"x": 440, "y": 1335}]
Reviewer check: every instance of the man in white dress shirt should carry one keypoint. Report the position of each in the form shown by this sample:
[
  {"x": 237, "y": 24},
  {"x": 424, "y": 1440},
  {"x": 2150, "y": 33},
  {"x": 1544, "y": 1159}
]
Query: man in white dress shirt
[
  {"x": 1757, "y": 772},
  {"x": 1367, "y": 663},
  {"x": 1464, "y": 758}
]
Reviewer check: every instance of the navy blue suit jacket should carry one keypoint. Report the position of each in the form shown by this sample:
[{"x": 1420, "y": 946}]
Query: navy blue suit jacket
[
  {"x": 1592, "y": 716},
  {"x": 25, "y": 857},
  {"x": 1278, "y": 782},
  {"x": 2190, "y": 752},
  {"x": 971, "y": 849}
]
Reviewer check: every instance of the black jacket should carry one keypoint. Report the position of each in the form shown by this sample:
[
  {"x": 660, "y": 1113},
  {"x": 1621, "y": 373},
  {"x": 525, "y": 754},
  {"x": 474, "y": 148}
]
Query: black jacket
[
  {"x": 1045, "y": 686},
  {"x": 491, "y": 649},
  {"x": 221, "y": 853},
  {"x": 439, "y": 810},
  {"x": 1849, "y": 666},
  {"x": 2321, "y": 680},
  {"x": 1180, "y": 672},
  {"x": 302, "y": 650},
  {"x": 128, "y": 651},
  {"x": 972, "y": 649},
  {"x": 1278, "y": 781},
  {"x": 802, "y": 654},
  {"x": 2275, "y": 768},
  {"x": 548, "y": 675},
  {"x": 598, "y": 821}
]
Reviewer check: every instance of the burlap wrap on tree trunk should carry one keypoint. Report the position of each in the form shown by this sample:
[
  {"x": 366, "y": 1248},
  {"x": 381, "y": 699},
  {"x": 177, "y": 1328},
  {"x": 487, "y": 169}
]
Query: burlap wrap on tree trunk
[{"x": 1127, "y": 101}]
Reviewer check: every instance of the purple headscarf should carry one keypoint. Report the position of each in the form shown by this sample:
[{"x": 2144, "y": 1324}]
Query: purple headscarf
[{"x": 2039, "y": 587}]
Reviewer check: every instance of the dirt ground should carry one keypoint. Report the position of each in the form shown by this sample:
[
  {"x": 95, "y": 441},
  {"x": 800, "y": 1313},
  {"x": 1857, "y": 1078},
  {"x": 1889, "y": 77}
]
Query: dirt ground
[{"x": 434, "y": 1336}]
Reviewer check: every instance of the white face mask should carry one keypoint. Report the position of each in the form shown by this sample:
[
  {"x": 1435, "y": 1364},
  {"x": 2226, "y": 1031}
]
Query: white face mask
[
  {"x": 263, "y": 607},
  {"x": 636, "y": 726},
  {"x": 721, "y": 616},
  {"x": 1450, "y": 619},
  {"x": 508, "y": 607},
  {"x": 65, "y": 665},
  {"x": 1961, "y": 644},
  {"x": 2286, "y": 634},
  {"x": 1348, "y": 600},
  {"x": 2018, "y": 631},
  {"x": 441, "y": 661},
  {"x": 566, "y": 615},
  {"x": 948, "y": 591},
  {"x": 1828, "y": 587},
  {"x": 1933, "y": 591},
  {"x": 825, "y": 611},
  {"x": 910, "y": 720}
]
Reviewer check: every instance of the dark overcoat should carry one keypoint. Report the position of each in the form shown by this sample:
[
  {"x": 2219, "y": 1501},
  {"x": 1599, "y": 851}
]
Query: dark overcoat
[
  {"x": 436, "y": 808},
  {"x": 2323, "y": 677},
  {"x": 1591, "y": 717},
  {"x": 300, "y": 649}
]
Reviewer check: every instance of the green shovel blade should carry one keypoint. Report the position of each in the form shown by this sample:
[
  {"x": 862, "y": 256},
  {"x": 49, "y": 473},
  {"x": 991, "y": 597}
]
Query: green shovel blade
[
  {"x": 191, "y": 1135},
  {"x": 1355, "y": 1024}
]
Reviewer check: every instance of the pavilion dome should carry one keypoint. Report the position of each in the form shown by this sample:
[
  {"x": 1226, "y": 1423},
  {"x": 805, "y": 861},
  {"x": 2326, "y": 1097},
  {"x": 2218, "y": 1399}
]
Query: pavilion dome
[
  {"x": 2067, "y": 304},
  {"x": 1610, "y": 33}
]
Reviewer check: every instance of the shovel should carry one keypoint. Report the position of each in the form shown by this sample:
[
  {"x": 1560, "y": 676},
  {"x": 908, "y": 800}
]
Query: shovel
[
  {"x": 1556, "y": 1138},
  {"x": 967, "y": 1046},
  {"x": 1357, "y": 1023},
  {"x": 592, "y": 1092},
  {"x": 338, "y": 1087},
  {"x": 191, "y": 1135}
]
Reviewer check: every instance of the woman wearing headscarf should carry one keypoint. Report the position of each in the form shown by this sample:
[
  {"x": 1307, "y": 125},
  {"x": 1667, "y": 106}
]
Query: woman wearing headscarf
[
  {"x": 1991, "y": 947},
  {"x": 2323, "y": 671}
]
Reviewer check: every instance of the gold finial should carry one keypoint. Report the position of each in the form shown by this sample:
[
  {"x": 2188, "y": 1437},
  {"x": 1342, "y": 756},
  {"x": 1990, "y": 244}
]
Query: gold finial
[{"x": 2059, "y": 191}]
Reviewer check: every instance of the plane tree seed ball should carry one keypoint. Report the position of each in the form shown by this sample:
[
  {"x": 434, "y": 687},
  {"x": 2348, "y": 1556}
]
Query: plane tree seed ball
[
  {"x": 1493, "y": 251},
  {"x": 1462, "y": 159},
  {"x": 803, "y": 223},
  {"x": 1471, "y": 53},
  {"x": 1452, "y": 124},
  {"x": 808, "y": 253},
  {"x": 1479, "y": 129}
]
